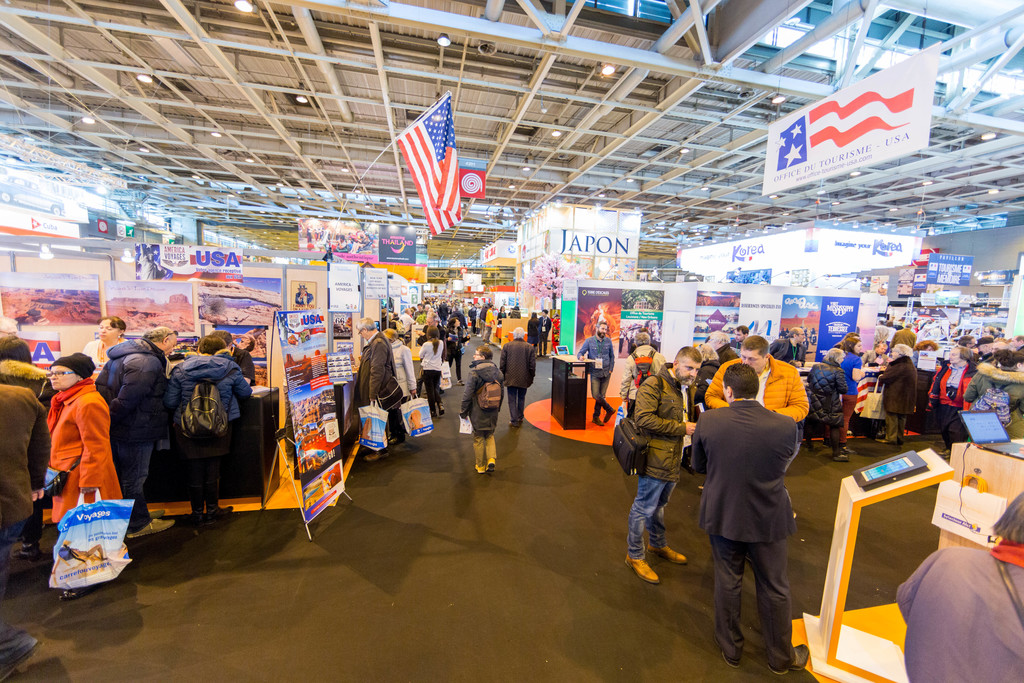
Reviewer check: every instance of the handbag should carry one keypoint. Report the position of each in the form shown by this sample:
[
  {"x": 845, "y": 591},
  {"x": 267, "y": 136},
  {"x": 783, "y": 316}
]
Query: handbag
[
  {"x": 416, "y": 416},
  {"x": 390, "y": 394},
  {"x": 90, "y": 548},
  {"x": 630, "y": 446},
  {"x": 873, "y": 408},
  {"x": 56, "y": 480},
  {"x": 446, "y": 376}
]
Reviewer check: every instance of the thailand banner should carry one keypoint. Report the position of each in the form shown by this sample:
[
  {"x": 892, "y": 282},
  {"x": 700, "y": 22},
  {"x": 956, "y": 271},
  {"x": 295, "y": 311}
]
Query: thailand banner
[
  {"x": 838, "y": 318},
  {"x": 180, "y": 262},
  {"x": 397, "y": 244},
  {"x": 885, "y": 116},
  {"x": 318, "y": 453}
]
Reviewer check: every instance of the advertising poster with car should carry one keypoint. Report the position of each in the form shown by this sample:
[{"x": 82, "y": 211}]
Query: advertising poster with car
[
  {"x": 642, "y": 311},
  {"x": 303, "y": 336},
  {"x": 596, "y": 305},
  {"x": 838, "y": 317},
  {"x": 180, "y": 262},
  {"x": 801, "y": 310},
  {"x": 716, "y": 312}
]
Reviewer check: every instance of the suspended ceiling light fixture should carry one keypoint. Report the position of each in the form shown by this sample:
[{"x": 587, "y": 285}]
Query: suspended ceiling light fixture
[
  {"x": 144, "y": 78},
  {"x": 127, "y": 257},
  {"x": 556, "y": 133},
  {"x": 302, "y": 99},
  {"x": 778, "y": 99},
  {"x": 88, "y": 120},
  {"x": 607, "y": 69},
  {"x": 45, "y": 253},
  {"x": 443, "y": 40},
  {"x": 243, "y": 6},
  {"x": 988, "y": 136},
  {"x": 216, "y": 134}
]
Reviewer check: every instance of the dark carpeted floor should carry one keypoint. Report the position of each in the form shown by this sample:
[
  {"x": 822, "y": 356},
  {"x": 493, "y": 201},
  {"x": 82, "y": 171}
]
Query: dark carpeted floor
[{"x": 435, "y": 573}]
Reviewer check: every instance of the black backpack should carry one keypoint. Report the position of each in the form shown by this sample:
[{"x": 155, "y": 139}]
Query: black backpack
[{"x": 204, "y": 416}]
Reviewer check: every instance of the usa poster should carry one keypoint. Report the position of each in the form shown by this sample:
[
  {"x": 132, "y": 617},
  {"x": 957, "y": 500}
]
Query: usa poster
[
  {"x": 838, "y": 318},
  {"x": 799, "y": 310},
  {"x": 180, "y": 262},
  {"x": 303, "y": 336}
]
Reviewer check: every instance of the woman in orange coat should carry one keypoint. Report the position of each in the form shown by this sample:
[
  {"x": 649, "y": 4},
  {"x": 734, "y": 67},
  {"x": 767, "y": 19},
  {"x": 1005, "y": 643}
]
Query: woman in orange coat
[{"x": 79, "y": 422}]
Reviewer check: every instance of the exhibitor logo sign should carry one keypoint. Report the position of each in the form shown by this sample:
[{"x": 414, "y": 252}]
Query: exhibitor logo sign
[
  {"x": 839, "y": 310},
  {"x": 746, "y": 252},
  {"x": 884, "y": 248},
  {"x": 838, "y": 328},
  {"x": 800, "y": 302},
  {"x": 594, "y": 292},
  {"x": 397, "y": 245}
]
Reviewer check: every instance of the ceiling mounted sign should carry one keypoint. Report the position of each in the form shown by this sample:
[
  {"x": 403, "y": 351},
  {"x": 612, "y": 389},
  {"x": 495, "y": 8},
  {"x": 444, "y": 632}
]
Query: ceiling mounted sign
[
  {"x": 885, "y": 116},
  {"x": 473, "y": 178}
]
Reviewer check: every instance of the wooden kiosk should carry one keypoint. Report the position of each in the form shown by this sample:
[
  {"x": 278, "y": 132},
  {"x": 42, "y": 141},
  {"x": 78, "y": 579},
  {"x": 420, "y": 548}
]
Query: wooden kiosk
[
  {"x": 837, "y": 651},
  {"x": 1003, "y": 474}
]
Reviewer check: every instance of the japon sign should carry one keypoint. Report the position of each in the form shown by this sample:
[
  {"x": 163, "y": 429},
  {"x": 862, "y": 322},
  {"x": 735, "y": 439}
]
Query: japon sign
[{"x": 885, "y": 116}]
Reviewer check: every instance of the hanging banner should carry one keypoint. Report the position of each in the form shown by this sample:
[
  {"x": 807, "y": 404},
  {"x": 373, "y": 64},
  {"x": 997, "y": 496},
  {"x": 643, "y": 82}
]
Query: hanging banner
[
  {"x": 343, "y": 287},
  {"x": 949, "y": 269},
  {"x": 397, "y": 245},
  {"x": 838, "y": 318},
  {"x": 472, "y": 178},
  {"x": 995, "y": 278},
  {"x": 347, "y": 240},
  {"x": 180, "y": 262},
  {"x": 375, "y": 283},
  {"x": 885, "y": 116},
  {"x": 303, "y": 336}
]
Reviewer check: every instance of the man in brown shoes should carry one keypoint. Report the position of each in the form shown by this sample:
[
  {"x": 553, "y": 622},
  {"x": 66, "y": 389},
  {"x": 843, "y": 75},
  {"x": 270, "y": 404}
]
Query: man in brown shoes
[{"x": 663, "y": 410}]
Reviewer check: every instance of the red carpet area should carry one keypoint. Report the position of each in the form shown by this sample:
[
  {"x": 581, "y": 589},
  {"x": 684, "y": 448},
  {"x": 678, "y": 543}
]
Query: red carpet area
[{"x": 539, "y": 415}]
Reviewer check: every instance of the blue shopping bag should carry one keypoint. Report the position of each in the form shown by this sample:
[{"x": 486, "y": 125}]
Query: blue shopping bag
[
  {"x": 90, "y": 548},
  {"x": 373, "y": 427},
  {"x": 416, "y": 415},
  {"x": 620, "y": 414}
]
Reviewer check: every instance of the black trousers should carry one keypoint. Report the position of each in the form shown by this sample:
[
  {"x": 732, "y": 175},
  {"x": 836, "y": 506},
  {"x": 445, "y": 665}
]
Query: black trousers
[
  {"x": 773, "y": 604},
  {"x": 948, "y": 419},
  {"x": 432, "y": 385},
  {"x": 542, "y": 346},
  {"x": 455, "y": 361}
]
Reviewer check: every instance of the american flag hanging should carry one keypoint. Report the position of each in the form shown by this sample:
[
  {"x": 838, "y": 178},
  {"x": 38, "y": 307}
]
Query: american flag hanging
[{"x": 428, "y": 147}]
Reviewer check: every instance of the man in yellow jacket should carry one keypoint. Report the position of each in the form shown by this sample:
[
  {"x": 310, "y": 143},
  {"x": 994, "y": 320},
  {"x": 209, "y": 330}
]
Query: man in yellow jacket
[{"x": 781, "y": 390}]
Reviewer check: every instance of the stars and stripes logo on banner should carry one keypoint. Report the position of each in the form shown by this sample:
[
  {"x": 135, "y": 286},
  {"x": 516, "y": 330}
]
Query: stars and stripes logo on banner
[
  {"x": 885, "y": 116},
  {"x": 428, "y": 146}
]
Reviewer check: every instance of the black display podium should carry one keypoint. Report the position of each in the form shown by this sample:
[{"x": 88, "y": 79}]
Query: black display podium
[{"x": 569, "y": 391}]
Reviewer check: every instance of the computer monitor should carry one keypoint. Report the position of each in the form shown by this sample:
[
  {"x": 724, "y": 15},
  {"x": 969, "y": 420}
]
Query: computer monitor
[{"x": 984, "y": 427}]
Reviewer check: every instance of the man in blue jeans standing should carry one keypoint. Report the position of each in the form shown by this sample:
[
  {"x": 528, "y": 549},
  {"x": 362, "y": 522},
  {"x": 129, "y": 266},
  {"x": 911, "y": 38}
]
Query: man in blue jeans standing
[
  {"x": 599, "y": 349},
  {"x": 24, "y": 452},
  {"x": 663, "y": 410}
]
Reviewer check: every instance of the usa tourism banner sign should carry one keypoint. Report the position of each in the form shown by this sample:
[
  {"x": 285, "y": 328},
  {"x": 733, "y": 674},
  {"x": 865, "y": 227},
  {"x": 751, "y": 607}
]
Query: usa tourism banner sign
[
  {"x": 885, "y": 116},
  {"x": 180, "y": 262}
]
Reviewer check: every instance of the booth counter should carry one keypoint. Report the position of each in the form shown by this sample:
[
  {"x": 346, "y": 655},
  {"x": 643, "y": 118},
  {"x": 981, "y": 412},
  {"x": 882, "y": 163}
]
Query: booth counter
[{"x": 569, "y": 388}]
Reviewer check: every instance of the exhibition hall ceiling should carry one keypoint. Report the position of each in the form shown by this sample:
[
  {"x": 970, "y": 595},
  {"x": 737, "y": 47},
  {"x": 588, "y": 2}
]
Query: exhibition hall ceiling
[{"x": 249, "y": 119}]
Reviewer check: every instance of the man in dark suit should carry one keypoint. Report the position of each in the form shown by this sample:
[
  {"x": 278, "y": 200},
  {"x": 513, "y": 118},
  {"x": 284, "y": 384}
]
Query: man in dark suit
[
  {"x": 544, "y": 328},
  {"x": 746, "y": 512}
]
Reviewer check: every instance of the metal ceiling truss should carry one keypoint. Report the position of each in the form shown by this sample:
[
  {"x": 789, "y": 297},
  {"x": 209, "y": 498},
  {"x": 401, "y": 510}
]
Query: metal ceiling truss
[{"x": 231, "y": 142}]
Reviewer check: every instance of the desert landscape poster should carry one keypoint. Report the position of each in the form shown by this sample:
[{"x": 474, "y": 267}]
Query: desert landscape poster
[
  {"x": 145, "y": 304},
  {"x": 254, "y": 301},
  {"x": 50, "y": 298}
]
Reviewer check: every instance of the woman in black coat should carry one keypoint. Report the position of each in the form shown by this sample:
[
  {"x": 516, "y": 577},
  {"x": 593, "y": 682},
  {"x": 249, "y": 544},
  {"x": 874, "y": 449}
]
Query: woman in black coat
[
  {"x": 708, "y": 367},
  {"x": 533, "y": 330},
  {"x": 826, "y": 385},
  {"x": 899, "y": 382}
]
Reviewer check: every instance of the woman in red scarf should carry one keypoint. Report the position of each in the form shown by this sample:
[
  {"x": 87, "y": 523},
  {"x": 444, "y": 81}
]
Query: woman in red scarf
[{"x": 79, "y": 422}]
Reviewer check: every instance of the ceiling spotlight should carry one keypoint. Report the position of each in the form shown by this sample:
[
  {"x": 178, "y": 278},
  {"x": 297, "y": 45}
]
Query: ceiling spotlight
[
  {"x": 926, "y": 182},
  {"x": 786, "y": 214},
  {"x": 821, "y": 191},
  {"x": 993, "y": 191},
  {"x": 45, "y": 253},
  {"x": 854, "y": 174},
  {"x": 607, "y": 69},
  {"x": 988, "y": 136},
  {"x": 704, "y": 189},
  {"x": 729, "y": 208},
  {"x": 630, "y": 180},
  {"x": 601, "y": 195},
  {"x": 778, "y": 99},
  {"x": 302, "y": 99},
  {"x": 773, "y": 196},
  {"x": 195, "y": 177},
  {"x": 443, "y": 40},
  {"x": 684, "y": 150},
  {"x": 88, "y": 120},
  {"x": 101, "y": 190},
  {"x": 250, "y": 160},
  {"x": 835, "y": 203},
  {"x": 243, "y": 6},
  {"x": 526, "y": 169},
  {"x": 511, "y": 186},
  {"x": 556, "y": 133},
  {"x": 144, "y": 78},
  {"x": 106, "y": 168},
  {"x": 893, "y": 208},
  {"x": 217, "y": 134},
  {"x": 127, "y": 257},
  {"x": 143, "y": 150}
]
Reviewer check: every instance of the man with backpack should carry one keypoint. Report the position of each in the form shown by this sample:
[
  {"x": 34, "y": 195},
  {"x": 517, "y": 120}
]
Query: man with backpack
[
  {"x": 134, "y": 381},
  {"x": 519, "y": 366},
  {"x": 644, "y": 362},
  {"x": 665, "y": 413},
  {"x": 480, "y": 405}
]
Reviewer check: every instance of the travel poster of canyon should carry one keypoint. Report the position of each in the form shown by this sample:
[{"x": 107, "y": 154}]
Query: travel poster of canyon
[
  {"x": 50, "y": 298},
  {"x": 254, "y": 301},
  {"x": 145, "y": 304}
]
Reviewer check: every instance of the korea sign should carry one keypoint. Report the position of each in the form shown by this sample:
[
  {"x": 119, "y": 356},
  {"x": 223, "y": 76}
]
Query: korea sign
[{"x": 885, "y": 116}]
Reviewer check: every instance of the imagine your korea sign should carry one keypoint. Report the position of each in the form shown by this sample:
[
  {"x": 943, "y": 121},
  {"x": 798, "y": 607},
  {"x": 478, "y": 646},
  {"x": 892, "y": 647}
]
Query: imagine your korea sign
[{"x": 885, "y": 116}]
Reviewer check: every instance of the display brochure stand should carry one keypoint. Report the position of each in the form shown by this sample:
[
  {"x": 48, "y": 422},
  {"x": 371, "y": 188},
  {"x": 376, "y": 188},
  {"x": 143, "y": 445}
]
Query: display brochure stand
[
  {"x": 293, "y": 477},
  {"x": 1004, "y": 474},
  {"x": 840, "y": 652},
  {"x": 569, "y": 391}
]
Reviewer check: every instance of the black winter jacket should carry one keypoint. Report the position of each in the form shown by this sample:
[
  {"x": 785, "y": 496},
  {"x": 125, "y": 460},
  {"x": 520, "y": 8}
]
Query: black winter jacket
[
  {"x": 134, "y": 381},
  {"x": 825, "y": 388},
  {"x": 704, "y": 376}
]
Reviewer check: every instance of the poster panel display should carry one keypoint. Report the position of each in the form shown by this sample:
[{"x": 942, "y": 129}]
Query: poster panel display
[
  {"x": 801, "y": 310},
  {"x": 44, "y": 346},
  {"x": 397, "y": 244},
  {"x": 347, "y": 240},
  {"x": 343, "y": 287},
  {"x": 905, "y": 282},
  {"x": 341, "y": 324},
  {"x": 302, "y": 295},
  {"x": 594, "y": 305},
  {"x": 760, "y": 311},
  {"x": 180, "y": 262},
  {"x": 641, "y": 312},
  {"x": 375, "y": 283},
  {"x": 50, "y": 298},
  {"x": 254, "y": 301},
  {"x": 303, "y": 338},
  {"x": 144, "y": 305},
  {"x": 717, "y": 311},
  {"x": 949, "y": 269},
  {"x": 253, "y": 340},
  {"x": 838, "y": 317}
]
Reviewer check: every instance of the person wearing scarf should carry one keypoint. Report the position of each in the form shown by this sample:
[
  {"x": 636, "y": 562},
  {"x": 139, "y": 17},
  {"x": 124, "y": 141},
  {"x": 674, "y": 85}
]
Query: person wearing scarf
[
  {"x": 79, "y": 422},
  {"x": 961, "y": 621}
]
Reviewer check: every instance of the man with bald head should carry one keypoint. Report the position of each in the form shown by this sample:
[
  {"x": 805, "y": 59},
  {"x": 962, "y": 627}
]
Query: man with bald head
[{"x": 792, "y": 350}]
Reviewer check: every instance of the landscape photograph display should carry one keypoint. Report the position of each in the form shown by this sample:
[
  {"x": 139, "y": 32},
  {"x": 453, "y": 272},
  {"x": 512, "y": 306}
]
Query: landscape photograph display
[
  {"x": 50, "y": 298},
  {"x": 716, "y": 311},
  {"x": 254, "y": 301},
  {"x": 144, "y": 304}
]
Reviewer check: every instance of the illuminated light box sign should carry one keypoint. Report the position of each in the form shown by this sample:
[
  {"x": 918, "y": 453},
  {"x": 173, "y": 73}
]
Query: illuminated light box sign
[
  {"x": 397, "y": 244},
  {"x": 500, "y": 253},
  {"x": 15, "y": 223},
  {"x": 604, "y": 243}
]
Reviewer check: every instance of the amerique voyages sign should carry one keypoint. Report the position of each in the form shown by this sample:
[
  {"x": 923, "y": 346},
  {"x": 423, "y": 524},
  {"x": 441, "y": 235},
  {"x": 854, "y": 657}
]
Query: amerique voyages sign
[
  {"x": 885, "y": 116},
  {"x": 179, "y": 262}
]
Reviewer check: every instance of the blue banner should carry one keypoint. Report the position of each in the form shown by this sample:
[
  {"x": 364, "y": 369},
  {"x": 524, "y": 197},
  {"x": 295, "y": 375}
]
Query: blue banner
[
  {"x": 949, "y": 269},
  {"x": 838, "y": 318}
]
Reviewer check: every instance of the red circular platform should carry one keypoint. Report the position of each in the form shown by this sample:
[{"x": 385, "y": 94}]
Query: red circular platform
[{"x": 539, "y": 415}]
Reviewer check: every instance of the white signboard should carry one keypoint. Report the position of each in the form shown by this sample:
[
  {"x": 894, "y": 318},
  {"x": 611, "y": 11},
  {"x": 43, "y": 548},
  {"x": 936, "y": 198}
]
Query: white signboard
[
  {"x": 14, "y": 223},
  {"x": 473, "y": 280},
  {"x": 375, "y": 283},
  {"x": 343, "y": 286},
  {"x": 885, "y": 116},
  {"x": 502, "y": 249}
]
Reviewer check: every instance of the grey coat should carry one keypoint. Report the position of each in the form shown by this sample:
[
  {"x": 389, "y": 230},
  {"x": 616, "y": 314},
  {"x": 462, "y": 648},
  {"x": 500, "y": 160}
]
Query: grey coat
[{"x": 481, "y": 372}]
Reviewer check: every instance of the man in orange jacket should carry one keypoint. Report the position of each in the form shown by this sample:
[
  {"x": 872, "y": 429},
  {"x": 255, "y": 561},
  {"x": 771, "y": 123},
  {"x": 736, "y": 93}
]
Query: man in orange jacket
[{"x": 781, "y": 390}]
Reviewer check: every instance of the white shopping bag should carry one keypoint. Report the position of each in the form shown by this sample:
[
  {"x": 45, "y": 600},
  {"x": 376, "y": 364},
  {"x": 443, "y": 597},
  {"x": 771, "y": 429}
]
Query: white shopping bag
[
  {"x": 90, "y": 548},
  {"x": 373, "y": 427},
  {"x": 416, "y": 415},
  {"x": 465, "y": 426},
  {"x": 968, "y": 512},
  {"x": 620, "y": 414},
  {"x": 446, "y": 377}
]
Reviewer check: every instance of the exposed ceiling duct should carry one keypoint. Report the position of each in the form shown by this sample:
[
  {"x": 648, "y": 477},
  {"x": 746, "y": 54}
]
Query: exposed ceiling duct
[{"x": 304, "y": 18}]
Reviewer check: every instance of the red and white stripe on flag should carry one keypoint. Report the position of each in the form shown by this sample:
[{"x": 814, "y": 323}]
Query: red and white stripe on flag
[{"x": 428, "y": 146}]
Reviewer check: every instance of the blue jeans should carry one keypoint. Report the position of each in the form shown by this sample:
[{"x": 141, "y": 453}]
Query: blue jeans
[
  {"x": 648, "y": 512},
  {"x": 516, "y": 403},
  {"x": 131, "y": 460},
  {"x": 598, "y": 389}
]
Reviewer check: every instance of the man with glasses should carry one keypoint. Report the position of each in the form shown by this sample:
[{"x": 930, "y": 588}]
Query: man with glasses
[{"x": 792, "y": 350}]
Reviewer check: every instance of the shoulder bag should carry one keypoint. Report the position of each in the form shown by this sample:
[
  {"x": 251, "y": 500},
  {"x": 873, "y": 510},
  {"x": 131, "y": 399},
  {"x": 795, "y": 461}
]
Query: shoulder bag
[{"x": 56, "y": 480}]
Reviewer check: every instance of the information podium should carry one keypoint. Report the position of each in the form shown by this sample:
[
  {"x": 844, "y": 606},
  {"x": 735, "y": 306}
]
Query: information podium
[
  {"x": 569, "y": 377},
  {"x": 837, "y": 651}
]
